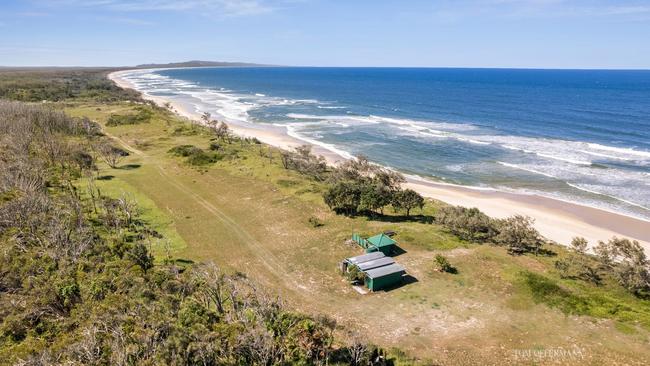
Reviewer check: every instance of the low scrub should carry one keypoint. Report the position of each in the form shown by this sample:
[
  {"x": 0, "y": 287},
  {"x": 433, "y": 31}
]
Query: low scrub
[
  {"x": 143, "y": 115},
  {"x": 195, "y": 155},
  {"x": 443, "y": 265}
]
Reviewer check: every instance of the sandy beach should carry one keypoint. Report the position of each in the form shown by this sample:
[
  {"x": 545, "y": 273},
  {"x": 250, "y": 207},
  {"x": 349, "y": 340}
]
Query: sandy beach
[{"x": 557, "y": 220}]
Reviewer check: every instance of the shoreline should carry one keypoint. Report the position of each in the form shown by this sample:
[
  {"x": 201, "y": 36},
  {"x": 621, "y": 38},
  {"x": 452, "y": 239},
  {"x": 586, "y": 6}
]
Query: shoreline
[{"x": 555, "y": 219}]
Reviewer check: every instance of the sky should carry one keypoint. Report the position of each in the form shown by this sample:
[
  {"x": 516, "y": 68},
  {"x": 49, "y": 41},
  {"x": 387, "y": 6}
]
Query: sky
[{"x": 447, "y": 33}]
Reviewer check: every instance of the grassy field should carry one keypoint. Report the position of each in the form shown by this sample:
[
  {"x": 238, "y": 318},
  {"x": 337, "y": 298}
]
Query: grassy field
[{"x": 247, "y": 214}]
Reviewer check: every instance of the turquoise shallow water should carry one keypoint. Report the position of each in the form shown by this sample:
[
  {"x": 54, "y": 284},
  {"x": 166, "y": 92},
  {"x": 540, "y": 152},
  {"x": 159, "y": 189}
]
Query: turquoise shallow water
[{"x": 576, "y": 135}]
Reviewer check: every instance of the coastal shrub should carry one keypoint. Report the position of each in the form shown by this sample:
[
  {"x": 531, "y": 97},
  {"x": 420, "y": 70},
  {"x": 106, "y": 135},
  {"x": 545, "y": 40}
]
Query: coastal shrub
[
  {"x": 355, "y": 275},
  {"x": 143, "y": 115},
  {"x": 579, "y": 244},
  {"x": 467, "y": 223},
  {"x": 443, "y": 265},
  {"x": 184, "y": 150},
  {"x": 581, "y": 266},
  {"x": 627, "y": 260},
  {"x": 304, "y": 162},
  {"x": 203, "y": 158},
  {"x": 315, "y": 222},
  {"x": 518, "y": 234},
  {"x": 195, "y": 155}
]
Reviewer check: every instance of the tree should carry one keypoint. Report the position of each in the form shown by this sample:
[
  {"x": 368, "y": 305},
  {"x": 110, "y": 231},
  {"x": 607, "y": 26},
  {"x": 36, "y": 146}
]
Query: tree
[
  {"x": 83, "y": 160},
  {"x": 222, "y": 131},
  {"x": 629, "y": 263},
  {"x": 343, "y": 197},
  {"x": 407, "y": 200},
  {"x": 111, "y": 155},
  {"x": 388, "y": 179},
  {"x": 205, "y": 117},
  {"x": 141, "y": 256},
  {"x": 467, "y": 223},
  {"x": 354, "y": 274},
  {"x": 374, "y": 198},
  {"x": 579, "y": 266},
  {"x": 304, "y": 162},
  {"x": 518, "y": 234},
  {"x": 579, "y": 244}
]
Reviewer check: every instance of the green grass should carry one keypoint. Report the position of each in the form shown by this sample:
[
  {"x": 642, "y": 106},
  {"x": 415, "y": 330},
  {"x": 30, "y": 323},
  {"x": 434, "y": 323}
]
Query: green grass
[
  {"x": 588, "y": 300},
  {"x": 113, "y": 186}
]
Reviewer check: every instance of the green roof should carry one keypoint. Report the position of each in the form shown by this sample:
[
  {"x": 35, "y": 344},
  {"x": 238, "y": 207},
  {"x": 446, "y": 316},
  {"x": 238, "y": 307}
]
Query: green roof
[{"x": 381, "y": 240}]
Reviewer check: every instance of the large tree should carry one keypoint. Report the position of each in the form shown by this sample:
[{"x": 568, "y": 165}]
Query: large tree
[
  {"x": 407, "y": 200},
  {"x": 344, "y": 197},
  {"x": 628, "y": 261}
]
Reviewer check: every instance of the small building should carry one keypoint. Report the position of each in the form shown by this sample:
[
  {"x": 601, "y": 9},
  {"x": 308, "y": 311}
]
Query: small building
[
  {"x": 383, "y": 277},
  {"x": 378, "y": 243},
  {"x": 382, "y": 243},
  {"x": 379, "y": 262},
  {"x": 365, "y": 257},
  {"x": 360, "y": 259}
]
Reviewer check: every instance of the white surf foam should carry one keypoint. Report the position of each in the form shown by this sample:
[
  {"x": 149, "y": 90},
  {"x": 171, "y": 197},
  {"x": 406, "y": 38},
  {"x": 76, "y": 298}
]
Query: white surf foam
[{"x": 515, "y": 166}]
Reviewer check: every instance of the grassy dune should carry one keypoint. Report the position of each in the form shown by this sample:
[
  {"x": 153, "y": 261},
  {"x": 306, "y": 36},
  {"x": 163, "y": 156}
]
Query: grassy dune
[{"x": 247, "y": 214}]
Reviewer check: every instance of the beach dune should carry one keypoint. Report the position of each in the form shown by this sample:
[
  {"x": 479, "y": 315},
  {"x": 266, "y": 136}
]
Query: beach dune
[{"x": 557, "y": 220}]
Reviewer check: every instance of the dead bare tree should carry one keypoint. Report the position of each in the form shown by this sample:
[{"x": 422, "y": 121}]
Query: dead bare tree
[
  {"x": 111, "y": 155},
  {"x": 357, "y": 350}
]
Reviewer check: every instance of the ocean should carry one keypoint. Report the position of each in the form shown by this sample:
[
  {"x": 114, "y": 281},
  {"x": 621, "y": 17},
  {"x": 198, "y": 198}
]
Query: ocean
[{"x": 577, "y": 135}]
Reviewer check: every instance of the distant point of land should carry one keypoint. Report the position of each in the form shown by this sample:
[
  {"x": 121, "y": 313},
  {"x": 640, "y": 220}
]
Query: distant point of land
[{"x": 198, "y": 64}]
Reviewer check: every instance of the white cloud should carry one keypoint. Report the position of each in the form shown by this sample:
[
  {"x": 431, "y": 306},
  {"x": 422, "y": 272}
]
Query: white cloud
[
  {"x": 523, "y": 9},
  {"x": 218, "y": 7},
  {"x": 125, "y": 20}
]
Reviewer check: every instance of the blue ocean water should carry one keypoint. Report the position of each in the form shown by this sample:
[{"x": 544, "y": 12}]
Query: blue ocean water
[{"x": 577, "y": 135}]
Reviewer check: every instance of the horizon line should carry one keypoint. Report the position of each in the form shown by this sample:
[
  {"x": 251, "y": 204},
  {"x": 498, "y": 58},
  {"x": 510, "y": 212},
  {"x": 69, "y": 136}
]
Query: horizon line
[{"x": 255, "y": 65}]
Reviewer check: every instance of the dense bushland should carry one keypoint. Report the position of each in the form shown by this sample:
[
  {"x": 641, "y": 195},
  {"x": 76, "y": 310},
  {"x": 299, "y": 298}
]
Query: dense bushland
[{"x": 36, "y": 85}]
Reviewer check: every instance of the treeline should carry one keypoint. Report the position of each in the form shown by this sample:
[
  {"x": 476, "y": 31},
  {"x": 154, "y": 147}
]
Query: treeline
[
  {"x": 79, "y": 286},
  {"x": 355, "y": 186},
  {"x": 622, "y": 260},
  {"x": 36, "y": 85}
]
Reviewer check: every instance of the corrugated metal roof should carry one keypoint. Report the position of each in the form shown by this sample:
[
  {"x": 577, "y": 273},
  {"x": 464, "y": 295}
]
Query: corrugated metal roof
[
  {"x": 381, "y": 240},
  {"x": 365, "y": 257},
  {"x": 384, "y": 261},
  {"x": 384, "y": 271}
]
